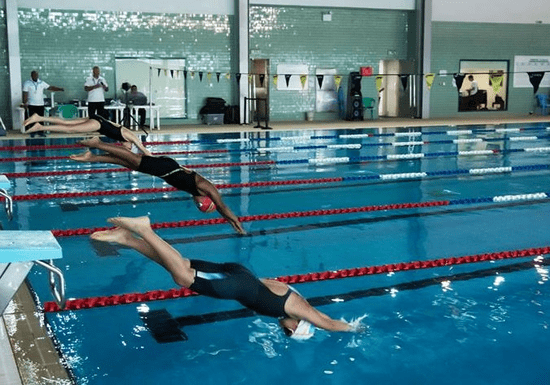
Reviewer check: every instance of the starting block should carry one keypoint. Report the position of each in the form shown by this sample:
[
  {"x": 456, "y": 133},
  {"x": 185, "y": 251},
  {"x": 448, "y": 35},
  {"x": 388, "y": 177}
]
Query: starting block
[
  {"x": 19, "y": 251},
  {"x": 5, "y": 185}
]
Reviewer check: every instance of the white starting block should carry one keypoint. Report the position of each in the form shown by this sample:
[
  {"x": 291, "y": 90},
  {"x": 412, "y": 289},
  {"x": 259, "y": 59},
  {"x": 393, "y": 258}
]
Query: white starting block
[
  {"x": 19, "y": 251},
  {"x": 5, "y": 185}
]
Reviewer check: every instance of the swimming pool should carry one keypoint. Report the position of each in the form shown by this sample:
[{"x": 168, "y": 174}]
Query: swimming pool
[{"x": 481, "y": 323}]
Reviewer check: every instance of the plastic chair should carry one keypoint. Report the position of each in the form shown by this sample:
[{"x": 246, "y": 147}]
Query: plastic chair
[
  {"x": 543, "y": 103},
  {"x": 369, "y": 104},
  {"x": 67, "y": 111}
]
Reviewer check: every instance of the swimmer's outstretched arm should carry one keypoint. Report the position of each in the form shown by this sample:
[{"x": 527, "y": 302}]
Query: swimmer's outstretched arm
[
  {"x": 297, "y": 307},
  {"x": 208, "y": 189}
]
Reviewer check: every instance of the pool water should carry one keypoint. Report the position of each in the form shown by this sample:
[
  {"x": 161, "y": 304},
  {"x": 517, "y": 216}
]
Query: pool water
[{"x": 483, "y": 323}]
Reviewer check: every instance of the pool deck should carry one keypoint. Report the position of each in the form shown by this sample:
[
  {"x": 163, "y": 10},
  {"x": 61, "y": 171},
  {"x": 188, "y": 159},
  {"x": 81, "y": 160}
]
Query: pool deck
[{"x": 27, "y": 353}]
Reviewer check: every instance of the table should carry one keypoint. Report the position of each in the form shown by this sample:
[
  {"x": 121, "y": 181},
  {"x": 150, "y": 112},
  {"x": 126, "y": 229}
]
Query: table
[
  {"x": 119, "y": 111},
  {"x": 154, "y": 114}
]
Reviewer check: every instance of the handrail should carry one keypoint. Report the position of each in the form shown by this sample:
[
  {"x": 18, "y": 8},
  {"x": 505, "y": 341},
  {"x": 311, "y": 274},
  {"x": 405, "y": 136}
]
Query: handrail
[
  {"x": 8, "y": 203},
  {"x": 59, "y": 295}
]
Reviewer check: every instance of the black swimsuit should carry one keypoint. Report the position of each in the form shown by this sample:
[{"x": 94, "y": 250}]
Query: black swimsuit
[
  {"x": 169, "y": 170},
  {"x": 108, "y": 129},
  {"x": 234, "y": 281}
]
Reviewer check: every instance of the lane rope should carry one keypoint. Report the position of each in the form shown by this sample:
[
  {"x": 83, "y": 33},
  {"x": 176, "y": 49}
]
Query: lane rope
[
  {"x": 394, "y": 176},
  {"x": 311, "y": 213},
  {"x": 329, "y": 146},
  {"x": 457, "y": 132},
  {"x": 157, "y": 295},
  {"x": 349, "y": 146}
]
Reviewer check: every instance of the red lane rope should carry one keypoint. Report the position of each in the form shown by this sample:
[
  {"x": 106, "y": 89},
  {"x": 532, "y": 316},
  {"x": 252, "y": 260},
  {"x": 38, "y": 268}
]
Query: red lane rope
[
  {"x": 170, "y": 189},
  {"x": 263, "y": 217},
  {"x": 156, "y": 295}
]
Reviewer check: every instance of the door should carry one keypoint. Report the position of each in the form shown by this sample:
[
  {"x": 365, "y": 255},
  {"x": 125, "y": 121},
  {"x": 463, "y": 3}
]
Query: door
[
  {"x": 396, "y": 92},
  {"x": 259, "y": 108}
]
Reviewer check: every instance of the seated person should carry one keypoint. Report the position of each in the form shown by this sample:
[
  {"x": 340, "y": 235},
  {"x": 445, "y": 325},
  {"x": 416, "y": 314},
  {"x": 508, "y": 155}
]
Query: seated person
[{"x": 137, "y": 98}]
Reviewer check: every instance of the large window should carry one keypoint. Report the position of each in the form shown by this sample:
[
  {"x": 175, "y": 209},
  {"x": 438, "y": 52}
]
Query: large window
[
  {"x": 161, "y": 80},
  {"x": 484, "y": 85}
]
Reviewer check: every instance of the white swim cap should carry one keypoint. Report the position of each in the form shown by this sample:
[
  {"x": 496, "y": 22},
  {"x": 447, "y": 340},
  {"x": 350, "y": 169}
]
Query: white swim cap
[{"x": 304, "y": 331}]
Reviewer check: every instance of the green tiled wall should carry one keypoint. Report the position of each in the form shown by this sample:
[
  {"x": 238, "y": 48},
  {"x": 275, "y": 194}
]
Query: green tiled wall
[
  {"x": 452, "y": 42},
  {"x": 297, "y": 35},
  {"x": 65, "y": 45}
]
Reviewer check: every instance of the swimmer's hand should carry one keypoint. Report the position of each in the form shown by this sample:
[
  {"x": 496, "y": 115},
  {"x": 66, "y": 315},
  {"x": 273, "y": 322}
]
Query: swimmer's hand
[{"x": 356, "y": 326}]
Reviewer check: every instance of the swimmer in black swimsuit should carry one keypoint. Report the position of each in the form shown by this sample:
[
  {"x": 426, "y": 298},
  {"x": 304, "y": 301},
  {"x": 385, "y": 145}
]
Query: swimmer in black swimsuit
[
  {"x": 225, "y": 281},
  {"x": 162, "y": 167},
  {"x": 84, "y": 126}
]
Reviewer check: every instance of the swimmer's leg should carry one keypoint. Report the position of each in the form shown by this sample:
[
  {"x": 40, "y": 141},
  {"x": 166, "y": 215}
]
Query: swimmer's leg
[
  {"x": 89, "y": 157},
  {"x": 131, "y": 159},
  {"x": 171, "y": 259}
]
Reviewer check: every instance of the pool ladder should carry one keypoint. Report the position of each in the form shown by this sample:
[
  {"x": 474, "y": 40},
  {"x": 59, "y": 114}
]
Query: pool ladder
[
  {"x": 8, "y": 203},
  {"x": 53, "y": 272}
]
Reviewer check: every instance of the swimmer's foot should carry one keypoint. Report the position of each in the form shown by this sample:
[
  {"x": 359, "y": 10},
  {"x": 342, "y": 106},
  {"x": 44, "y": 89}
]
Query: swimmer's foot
[
  {"x": 91, "y": 142},
  {"x": 117, "y": 235},
  {"x": 137, "y": 225},
  {"x": 34, "y": 118},
  {"x": 36, "y": 128},
  {"x": 84, "y": 157}
]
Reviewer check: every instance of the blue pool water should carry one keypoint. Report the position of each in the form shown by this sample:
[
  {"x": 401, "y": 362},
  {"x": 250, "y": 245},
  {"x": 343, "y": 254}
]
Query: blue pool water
[{"x": 484, "y": 323}]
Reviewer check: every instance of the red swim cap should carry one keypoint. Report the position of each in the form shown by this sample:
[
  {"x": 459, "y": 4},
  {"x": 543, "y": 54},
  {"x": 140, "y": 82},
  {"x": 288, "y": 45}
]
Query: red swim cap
[{"x": 205, "y": 204}]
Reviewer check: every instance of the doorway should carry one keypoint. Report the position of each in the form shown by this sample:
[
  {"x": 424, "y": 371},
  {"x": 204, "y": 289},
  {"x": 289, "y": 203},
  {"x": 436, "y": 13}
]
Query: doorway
[
  {"x": 259, "y": 90},
  {"x": 396, "y": 93}
]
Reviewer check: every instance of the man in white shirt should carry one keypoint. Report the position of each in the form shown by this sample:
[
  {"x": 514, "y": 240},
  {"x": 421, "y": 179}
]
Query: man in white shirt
[
  {"x": 474, "y": 87},
  {"x": 33, "y": 95},
  {"x": 96, "y": 86}
]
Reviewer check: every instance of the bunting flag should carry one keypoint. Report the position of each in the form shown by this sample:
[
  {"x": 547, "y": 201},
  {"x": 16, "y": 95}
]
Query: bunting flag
[
  {"x": 379, "y": 79},
  {"x": 535, "y": 78},
  {"x": 185, "y": 74},
  {"x": 250, "y": 78},
  {"x": 200, "y": 75},
  {"x": 275, "y": 79},
  {"x": 337, "y": 80},
  {"x": 218, "y": 76},
  {"x": 459, "y": 79},
  {"x": 209, "y": 76},
  {"x": 158, "y": 71},
  {"x": 192, "y": 75},
  {"x": 404, "y": 81},
  {"x": 496, "y": 81},
  {"x": 303, "y": 79},
  {"x": 262, "y": 79},
  {"x": 228, "y": 76},
  {"x": 172, "y": 74},
  {"x": 238, "y": 78},
  {"x": 320, "y": 80},
  {"x": 287, "y": 78},
  {"x": 165, "y": 72},
  {"x": 430, "y": 80}
]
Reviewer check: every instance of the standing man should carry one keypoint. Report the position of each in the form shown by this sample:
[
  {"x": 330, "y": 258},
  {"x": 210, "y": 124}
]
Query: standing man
[
  {"x": 33, "y": 96},
  {"x": 96, "y": 86}
]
